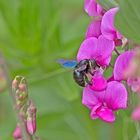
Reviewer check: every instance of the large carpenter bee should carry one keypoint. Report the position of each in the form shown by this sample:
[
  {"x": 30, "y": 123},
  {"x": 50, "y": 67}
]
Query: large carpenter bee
[{"x": 81, "y": 70}]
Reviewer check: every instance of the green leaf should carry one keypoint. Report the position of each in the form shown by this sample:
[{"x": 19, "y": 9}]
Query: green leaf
[{"x": 128, "y": 19}]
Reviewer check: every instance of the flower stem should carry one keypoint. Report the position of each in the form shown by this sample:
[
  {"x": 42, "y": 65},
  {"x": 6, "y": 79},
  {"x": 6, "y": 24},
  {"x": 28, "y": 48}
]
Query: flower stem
[{"x": 116, "y": 52}]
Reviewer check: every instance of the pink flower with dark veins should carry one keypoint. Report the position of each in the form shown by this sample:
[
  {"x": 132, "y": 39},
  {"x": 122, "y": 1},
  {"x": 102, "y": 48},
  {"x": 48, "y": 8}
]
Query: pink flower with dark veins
[
  {"x": 98, "y": 49},
  {"x": 92, "y": 8},
  {"x": 103, "y": 103},
  {"x": 94, "y": 29},
  {"x": 108, "y": 28}
]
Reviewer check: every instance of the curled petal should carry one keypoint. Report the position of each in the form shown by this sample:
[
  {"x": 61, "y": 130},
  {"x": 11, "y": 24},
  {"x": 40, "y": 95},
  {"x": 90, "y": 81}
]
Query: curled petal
[
  {"x": 94, "y": 29},
  {"x": 122, "y": 64},
  {"x": 92, "y": 8},
  {"x": 93, "y": 114},
  {"x": 136, "y": 114},
  {"x": 107, "y": 26},
  {"x": 106, "y": 114},
  {"x": 92, "y": 98},
  {"x": 116, "y": 96},
  {"x": 99, "y": 83}
]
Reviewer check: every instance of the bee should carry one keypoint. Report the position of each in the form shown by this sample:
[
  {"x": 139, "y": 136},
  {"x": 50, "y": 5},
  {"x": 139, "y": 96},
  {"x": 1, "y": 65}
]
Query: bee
[{"x": 81, "y": 70}]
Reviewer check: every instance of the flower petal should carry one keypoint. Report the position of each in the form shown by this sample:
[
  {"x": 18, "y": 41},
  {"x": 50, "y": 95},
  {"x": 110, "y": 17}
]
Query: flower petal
[
  {"x": 99, "y": 83},
  {"x": 99, "y": 49},
  {"x": 122, "y": 64},
  {"x": 93, "y": 114},
  {"x": 92, "y": 98},
  {"x": 92, "y": 8},
  {"x": 107, "y": 26},
  {"x": 106, "y": 114},
  {"x": 104, "y": 50},
  {"x": 94, "y": 29},
  {"x": 116, "y": 96},
  {"x": 87, "y": 49}
]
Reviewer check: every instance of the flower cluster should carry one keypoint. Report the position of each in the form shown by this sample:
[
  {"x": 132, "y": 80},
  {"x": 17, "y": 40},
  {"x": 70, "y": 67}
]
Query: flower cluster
[{"x": 106, "y": 95}]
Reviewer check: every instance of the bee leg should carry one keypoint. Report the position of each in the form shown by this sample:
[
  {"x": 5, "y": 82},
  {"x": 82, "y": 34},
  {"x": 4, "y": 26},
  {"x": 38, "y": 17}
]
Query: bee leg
[{"x": 87, "y": 81}]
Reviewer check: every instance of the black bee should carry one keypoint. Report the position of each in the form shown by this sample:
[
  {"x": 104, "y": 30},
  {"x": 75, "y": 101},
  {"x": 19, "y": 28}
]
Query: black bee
[{"x": 81, "y": 70}]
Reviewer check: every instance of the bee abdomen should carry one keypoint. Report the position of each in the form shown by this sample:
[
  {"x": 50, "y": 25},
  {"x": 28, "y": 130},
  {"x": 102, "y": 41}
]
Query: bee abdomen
[{"x": 80, "y": 78}]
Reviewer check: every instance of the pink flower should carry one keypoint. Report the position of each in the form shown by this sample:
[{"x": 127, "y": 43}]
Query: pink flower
[
  {"x": 136, "y": 114},
  {"x": 98, "y": 49},
  {"x": 94, "y": 29},
  {"x": 99, "y": 83},
  {"x": 103, "y": 103},
  {"x": 93, "y": 8},
  {"x": 121, "y": 68},
  {"x": 122, "y": 64},
  {"x": 107, "y": 26}
]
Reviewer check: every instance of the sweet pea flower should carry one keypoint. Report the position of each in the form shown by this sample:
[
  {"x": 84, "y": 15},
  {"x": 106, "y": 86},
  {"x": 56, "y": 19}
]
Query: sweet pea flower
[
  {"x": 92, "y": 8},
  {"x": 94, "y": 29},
  {"x": 103, "y": 103},
  {"x": 121, "y": 69},
  {"x": 108, "y": 28},
  {"x": 98, "y": 49}
]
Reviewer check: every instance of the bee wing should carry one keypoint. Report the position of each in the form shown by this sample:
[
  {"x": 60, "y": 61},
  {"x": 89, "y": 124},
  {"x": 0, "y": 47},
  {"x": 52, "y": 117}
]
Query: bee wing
[{"x": 67, "y": 63}]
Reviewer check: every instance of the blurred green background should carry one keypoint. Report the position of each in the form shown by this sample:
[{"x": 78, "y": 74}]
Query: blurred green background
[{"x": 33, "y": 35}]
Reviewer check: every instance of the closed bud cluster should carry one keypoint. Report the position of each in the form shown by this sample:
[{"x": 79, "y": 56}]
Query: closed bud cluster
[
  {"x": 19, "y": 86},
  {"x": 25, "y": 107}
]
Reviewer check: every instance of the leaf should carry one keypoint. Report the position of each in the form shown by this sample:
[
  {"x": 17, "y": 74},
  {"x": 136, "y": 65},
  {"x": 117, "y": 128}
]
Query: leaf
[{"x": 128, "y": 19}]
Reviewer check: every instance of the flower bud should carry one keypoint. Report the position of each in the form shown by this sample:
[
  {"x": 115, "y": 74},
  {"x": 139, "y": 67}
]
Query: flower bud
[
  {"x": 31, "y": 118},
  {"x": 31, "y": 126},
  {"x": 17, "y": 132}
]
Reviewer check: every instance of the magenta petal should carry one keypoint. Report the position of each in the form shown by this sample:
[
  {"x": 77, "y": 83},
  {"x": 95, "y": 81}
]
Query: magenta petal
[
  {"x": 136, "y": 114},
  {"x": 93, "y": 114},
  {"x": 116, "y": 96},
  {"x": 106, "y": 114},
  {"x": 99, "y": 49},
  {"x": 107, "y": 26},
  {"x": 87, "y": 49},
  {"x": 92, "y": 98},
  {"x": 122, "y": 64},
  {"x": 94, "y": 29},
  {"x": 92, "y": 8},
  {"x": 99, "y": 83},
  {"x": 104, "y": 50}
]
